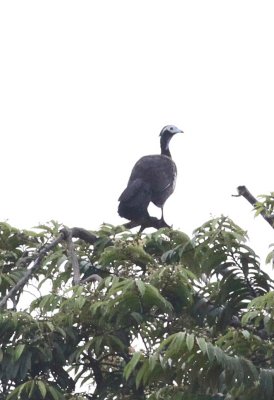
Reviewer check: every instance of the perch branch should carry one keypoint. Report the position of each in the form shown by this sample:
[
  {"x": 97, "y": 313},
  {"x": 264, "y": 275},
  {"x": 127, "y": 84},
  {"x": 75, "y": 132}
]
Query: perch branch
[
  {"x": 243, "y": 191},
  {"x": 84, "y": 235}
]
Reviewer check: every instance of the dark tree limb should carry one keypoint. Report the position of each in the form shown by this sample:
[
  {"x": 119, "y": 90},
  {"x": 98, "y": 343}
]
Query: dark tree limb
[
  {"x": 243, "y": 191},
  {"x": 98, "y": 376},
  {"x": 84, "y": 235}
]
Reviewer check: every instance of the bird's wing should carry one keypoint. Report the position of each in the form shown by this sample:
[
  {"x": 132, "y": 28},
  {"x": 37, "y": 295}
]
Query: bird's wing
[
  {"x": 134, "y": 200},
  {"x": 132, "y": 189},
  {"x": 160, "y": 171}
]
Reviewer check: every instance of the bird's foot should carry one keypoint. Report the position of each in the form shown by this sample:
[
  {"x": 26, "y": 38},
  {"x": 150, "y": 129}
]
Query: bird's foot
[
  {"x": 153, "y": 222},
  {"x": 163, "y": 224},
  {"x": 147, "y": 222}
]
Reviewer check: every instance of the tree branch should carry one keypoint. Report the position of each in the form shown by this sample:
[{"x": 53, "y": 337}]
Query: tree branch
[
  {"x": 37, "y": 257},
  {"x": 84, "y": 235},
  {"x": 72, "y": 256},
  {"x": 36, "y": 264},
  {"x": 243, "y": 191},
  {"x": 98, "y": 376}
]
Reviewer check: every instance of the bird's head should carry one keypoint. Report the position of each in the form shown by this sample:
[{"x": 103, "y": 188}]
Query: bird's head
[{"x": 169, "y": 131}]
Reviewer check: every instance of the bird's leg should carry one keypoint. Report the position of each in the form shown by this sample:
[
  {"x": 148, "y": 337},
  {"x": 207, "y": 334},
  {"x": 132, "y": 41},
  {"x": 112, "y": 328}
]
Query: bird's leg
[
  {"x": 162, "y": 213},
  {"x": 162, "y": 216},
  {"x": 162, "y": 220}
]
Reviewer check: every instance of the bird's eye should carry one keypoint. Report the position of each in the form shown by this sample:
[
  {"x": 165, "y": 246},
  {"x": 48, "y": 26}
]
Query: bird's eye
[{"x": 171, "y": 129}]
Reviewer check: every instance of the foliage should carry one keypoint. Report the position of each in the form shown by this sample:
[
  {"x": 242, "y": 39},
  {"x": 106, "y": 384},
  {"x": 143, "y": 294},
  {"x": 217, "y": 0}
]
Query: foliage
[
  {"x": 154, "y": 316},
  {"x": 265, "y": 207},
  {"x": 266, "y": 204}
]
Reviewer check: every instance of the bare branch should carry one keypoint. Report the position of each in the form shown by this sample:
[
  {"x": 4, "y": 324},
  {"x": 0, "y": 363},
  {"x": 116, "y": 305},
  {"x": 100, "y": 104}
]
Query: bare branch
[
  {"x": 72, "y": 256},
  {"x": 243, "y": 191}
]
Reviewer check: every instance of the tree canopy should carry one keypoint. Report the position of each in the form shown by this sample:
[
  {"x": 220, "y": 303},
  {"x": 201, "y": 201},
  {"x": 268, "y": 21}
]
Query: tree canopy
[{"x": 122, "y": 315}]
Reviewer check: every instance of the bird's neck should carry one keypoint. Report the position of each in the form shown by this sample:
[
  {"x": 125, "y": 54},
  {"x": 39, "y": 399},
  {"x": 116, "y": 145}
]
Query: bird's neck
[{"x": 165, "y": 147}]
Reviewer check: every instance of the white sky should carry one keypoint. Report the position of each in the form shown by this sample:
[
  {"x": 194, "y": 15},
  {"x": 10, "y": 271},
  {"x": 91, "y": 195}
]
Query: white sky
[{"x": 86, "y": 86}]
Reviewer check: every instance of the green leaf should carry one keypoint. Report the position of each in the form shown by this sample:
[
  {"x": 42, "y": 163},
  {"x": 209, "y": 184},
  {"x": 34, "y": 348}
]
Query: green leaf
[
  {"x": 210, "y": 352},
  {"x": 141, "y": 287},
  {"x": 153, "y": 297},
  {"x": 97, "y": 344},
  {"x": 176, "y": 345},
  {"x": 248, "y": 316},
  {"x": 115, "y": 343},
  {"x": 42, "y": 388},
  {"x": 25, "y": 364},
  {"x": 266, "y": 382},
  {"x": 202, "y": 344},
  {"x": 137, "y": 316},
  {"x": 190, "y": 341},
  {"x": 129, "y": 368},
  {"x": 153, "y": 361},
  {"x": 32, "y": 387},
  {"x": 246, "y": 334},
  {"x": 18, "y": 351},
  {"x": 220, "y": 355},
  {"x": 54, "y": 393},
  {"x": 142, "y": 374}
]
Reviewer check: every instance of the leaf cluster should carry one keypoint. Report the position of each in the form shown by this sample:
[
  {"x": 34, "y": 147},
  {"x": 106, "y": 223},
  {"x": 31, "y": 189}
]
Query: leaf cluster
[{"x": 154, "y": 316}]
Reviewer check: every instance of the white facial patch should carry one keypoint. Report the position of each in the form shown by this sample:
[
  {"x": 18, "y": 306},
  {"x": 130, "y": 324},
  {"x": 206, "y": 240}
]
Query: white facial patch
[{"x": 173, "y": 129}]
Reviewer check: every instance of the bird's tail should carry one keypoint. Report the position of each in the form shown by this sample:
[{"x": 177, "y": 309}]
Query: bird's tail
[{"x": 134, "y": 200}]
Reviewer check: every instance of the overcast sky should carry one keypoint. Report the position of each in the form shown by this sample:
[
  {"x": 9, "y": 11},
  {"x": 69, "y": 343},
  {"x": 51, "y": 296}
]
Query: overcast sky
[{"x": 86, "y": 87}]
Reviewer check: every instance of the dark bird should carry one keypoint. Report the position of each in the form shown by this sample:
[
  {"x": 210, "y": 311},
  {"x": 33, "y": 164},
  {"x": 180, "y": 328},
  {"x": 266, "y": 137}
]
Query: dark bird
[{"x": 153, "y": 178}]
